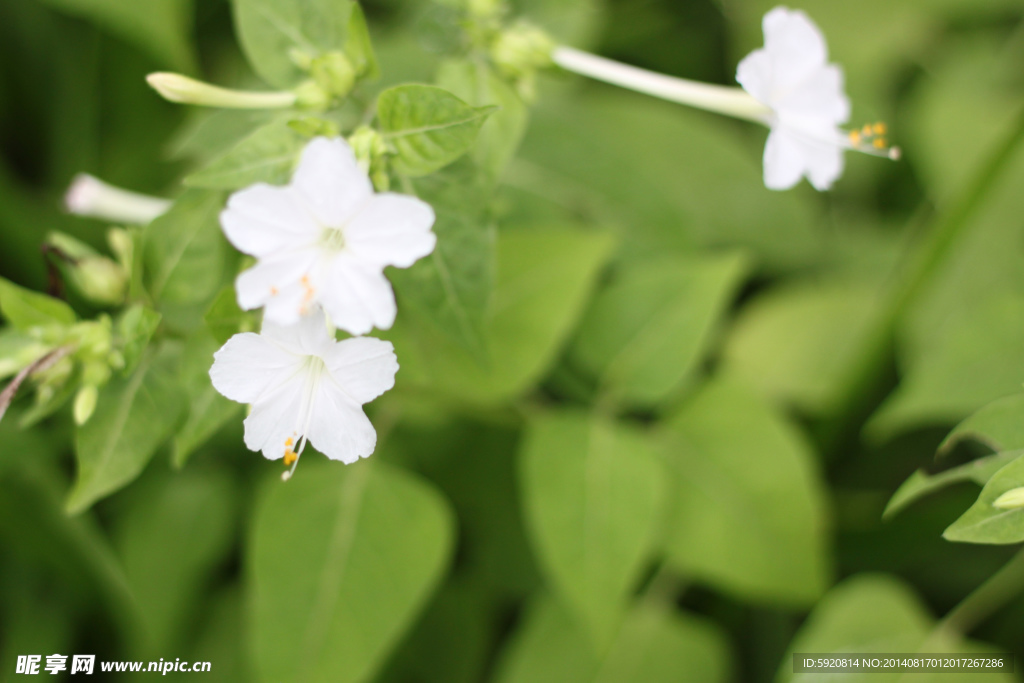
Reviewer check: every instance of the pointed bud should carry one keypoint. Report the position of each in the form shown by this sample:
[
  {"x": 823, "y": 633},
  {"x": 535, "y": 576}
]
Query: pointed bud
[
  {"x": 85, "y": 404},
  {"x": 310, "y": 95},
  {"x": 185, "y": 90},
  {"x": 334, "y": 73},
  {"x": 91, "y": 197},
  {"x": 96, "y": 277},
  {"x": 1011, "y": 500}
]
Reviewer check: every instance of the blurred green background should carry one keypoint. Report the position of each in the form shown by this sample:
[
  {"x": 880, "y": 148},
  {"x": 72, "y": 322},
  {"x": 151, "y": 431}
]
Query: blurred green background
[{"x": 792, "y": 451}]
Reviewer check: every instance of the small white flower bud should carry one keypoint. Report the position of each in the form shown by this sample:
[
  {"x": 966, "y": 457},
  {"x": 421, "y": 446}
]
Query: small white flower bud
[
  {"x": 91, "y": 197},
  {"x": 185, "y": 90}
]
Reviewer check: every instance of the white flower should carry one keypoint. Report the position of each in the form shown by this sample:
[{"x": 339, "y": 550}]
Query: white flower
[
  {"x": 304, "y": 385},
  {"x": 325, "y": 239},
  {"x": 791, "y": 75}
]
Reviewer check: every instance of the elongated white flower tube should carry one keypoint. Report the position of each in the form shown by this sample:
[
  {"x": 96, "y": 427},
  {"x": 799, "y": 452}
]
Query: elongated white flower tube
[
  {"x": 91, "y": 197},
  {"x": 325, "y": 240},
  {"x": 184, "y": 90},
  {"x": 304, "y": 386},
  {"x": 788, "y": 85}
]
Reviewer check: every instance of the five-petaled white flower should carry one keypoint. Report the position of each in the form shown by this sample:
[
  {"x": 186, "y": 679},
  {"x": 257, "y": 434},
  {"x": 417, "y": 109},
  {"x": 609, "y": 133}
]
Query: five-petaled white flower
[
  {"x": 304, "y": 385},
  {"x": 325, "y": 239},
  {"x": 792, "y": 77}
]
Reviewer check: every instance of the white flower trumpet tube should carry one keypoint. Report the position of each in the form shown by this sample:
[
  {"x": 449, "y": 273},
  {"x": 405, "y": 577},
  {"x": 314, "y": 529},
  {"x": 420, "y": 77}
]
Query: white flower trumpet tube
[
  {"x": 304, "y": 386},
  {"x": 91, "y": 197},
  {"x": 325, "y": 240}
]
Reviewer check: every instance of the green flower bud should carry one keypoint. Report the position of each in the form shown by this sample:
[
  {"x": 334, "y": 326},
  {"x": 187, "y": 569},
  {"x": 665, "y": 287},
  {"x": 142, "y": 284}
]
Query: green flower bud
[
  {"x": 96, "y": 277},
  {"x": 123, "y": 246},
  {"x": 522, "y": 49},
  {"x": 334, "y": 73},
  {"x": 85, "y": 403},
  {"x": 1011, "y": 500},
  {"x": 312, "y": 126},
  {"x": 310, "y": 95},
  {"x": 371, "y": 151}
]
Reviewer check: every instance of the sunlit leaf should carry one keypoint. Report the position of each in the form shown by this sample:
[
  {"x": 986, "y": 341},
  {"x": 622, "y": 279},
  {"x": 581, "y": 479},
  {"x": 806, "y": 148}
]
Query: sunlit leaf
[
  {"x": 921, "y": 483},
  {"x": 985, "y": 523}
]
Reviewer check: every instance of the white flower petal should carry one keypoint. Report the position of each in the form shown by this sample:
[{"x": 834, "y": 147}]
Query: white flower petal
[
  {"x": 824, "y": 164},
  {"x": 262, "y": 220},
  {"x": 755, "y": 75},
  {"x": 363, "y": 367},
  {"x": 248, "y": 366},
  {"x": 819, "y": 96},
  {"x": 783, "y": 160},
  {"x": 357, "y": 297},
  {"x": 309, "y": 336},
  {"x": 271, "y": 277},
  {"x": 795, "y": 45},
  {"x": 338, "y": 427},
  {"x": 392, "y": 230},
  {"x": 275, "y": 417},
  {"x": 330, "y": 182}
]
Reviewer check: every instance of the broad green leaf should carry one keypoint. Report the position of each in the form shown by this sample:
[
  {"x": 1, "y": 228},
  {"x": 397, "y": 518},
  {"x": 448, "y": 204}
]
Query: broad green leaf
[
  {"x": 272, "y": 31},
  {"x": 646, "y": 332},
  {"x": 592, "y": 498},
  {"x": 209, "y": 133},
  {"x": 163, "y": 28},
  {"x": 341, "y": 561},
  {"x": 185, "y": 257},
  {"x": 133, "y": 418},
  {"x": 173, "y": 536},
  {"x": 207, "y": 410},
  {"x": 268, "y": 155},
  {"x": 358, "y": 47},
  {"x": 984, "y": 523},
  {"x": 572, "y": 22},
  {"x": 499, "y": 138},
  {"x": 134, "y": 328},
  {"x": 428, "y": 126},
  {"x": 999, "y": 425},
  {"x": 225, "y": 319},
  {"x": 749, "y": 508},
  {"x": 17, "y": 350},
  {"x": 799, "y": 343},
  {"x": 666, "y": 178},
  {"x": 654, "y": 645},
  {"x": 874, "y": 613},
  {"x": 921, "y": 483},
  {"x": 25, "y": 309},
  {"x": 452, "y": 286},
  {"x": 544, "y": 275},
  {"x": 221, "y": 638}
]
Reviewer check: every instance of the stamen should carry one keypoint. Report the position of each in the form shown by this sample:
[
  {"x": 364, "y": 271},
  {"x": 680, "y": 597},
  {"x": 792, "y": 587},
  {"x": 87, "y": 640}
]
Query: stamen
[
  {"x": 870, "y": 139},
  {"x": 274, "y": 291},
  {"x": 315, "y": 367}
]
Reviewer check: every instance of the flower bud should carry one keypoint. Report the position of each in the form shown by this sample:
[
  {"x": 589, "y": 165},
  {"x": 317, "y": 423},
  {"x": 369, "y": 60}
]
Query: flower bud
[
  {"x": 310, "y": 95},
  {"x": 334, "y": 73},
  {"x": 95, "y": 277},
  {"x": 91, "y": 197},
  {"x": 184, "y": 90},
  {"x": 85, "y": 403},
  {"x": 1011, "y": 500},
  {"x": 522, "y": 49},
  {"x": 123, "y": 246},
  {"x": 370, "y": 149},
  {"x": 313, "y": 126}
]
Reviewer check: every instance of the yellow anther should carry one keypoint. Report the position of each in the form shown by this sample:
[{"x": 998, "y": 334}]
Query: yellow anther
[
  {"x": 854, "y": 138},
  {"x": 866, "y": 130},
  {"x": 273, "y": 291},
  {"x": 288, "y": 442},
  {"x": 290, "y": 457},
  {"x": 879, "y": 128},
  {"x": 879, "y": 143}
]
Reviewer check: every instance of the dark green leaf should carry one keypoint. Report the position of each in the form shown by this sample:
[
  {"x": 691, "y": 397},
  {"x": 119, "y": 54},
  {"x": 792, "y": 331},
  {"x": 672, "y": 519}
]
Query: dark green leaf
[
  {"x": 999, "y": 425},
  {"x": 25, "y": 309},
  {"x": 920, "y": 483},
  {"x": 984, "y": 523}
]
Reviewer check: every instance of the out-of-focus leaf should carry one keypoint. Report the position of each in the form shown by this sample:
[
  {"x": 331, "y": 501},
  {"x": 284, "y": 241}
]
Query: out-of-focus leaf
[
  {"x": 163, "y": 28},
  {"x": 358, "y": 46},
  {"x": 178, "y": 530},
  {"x": 17, "y": 350},
  {"x": 268, "y": 155},
  {"x": 999, "y": 425},
  {"x": 270, "y": 31},
  {"x": 225, "y": 319},
  {"x": 133, "y": 418},
  {"x": 222, "y": 638},
  {"x": 206, "y": 410},
  {"x": 452, "y": 286},
  {"x": 543, "y": 277},
  {"x": 984, "y": 523},
  {"x": 572, "y": 22},
  {"x": 185, "y": 255},
  {"x": 428, "y": 126},
  {"x": 648, "y": 330},
  {"x": 342, "y": 559},
  {"x": 592, "y": 497},
  {"x": 873, "y": 613},
  {"x": 135, "y": 327},
  {"x": 478, "y": 85},
  {"x": 920, "y": 483},
  {"x": 209, "y": 133},
  {"x": 798, "y": 344},
  {"x": 654, "y": 645},
  {"x": 749, "y": 510},
  {"x": 25, "y": 309}
]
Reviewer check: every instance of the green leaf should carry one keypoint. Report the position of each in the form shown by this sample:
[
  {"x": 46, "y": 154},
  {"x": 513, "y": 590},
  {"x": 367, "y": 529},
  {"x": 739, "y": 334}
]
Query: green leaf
[
  {"x": 185, "y": 257},
  {"x": 544, "y": 275},
  {"x": 872, "y": 613},
  {"x": 358, "y": 47},
  {"x": 799, "y": 343},
  {"x": 342, "y": 559},
  {"x": 133, "y": 418},
  {"x": 270, "y": 31},
  {"x": 921, "y": 483},
  {"x": 749, "y": 514},
  {"x": 592, "y": 497},
  {"x": 452, "y": 286},
  {"x": 268, "y": 155},
  {"x": 654, "y": 645},
  {"x": 499, "y": 138},
  {"x": 207, "y": 410},
  {"x": 999, "y": 425},
  {"x": 177, "y": 531},
  {"x": 18, "y": 350},
  {"x": 25, "y": 309},
  {"x": 225, "y": 319},
  {"x": 162, "y": 28},
  {"x": 135, "y": 327},
  {"x": 983, "y": 523},
  {"x": 428, "y": 126},
  {"x": 648, "y": 330}
]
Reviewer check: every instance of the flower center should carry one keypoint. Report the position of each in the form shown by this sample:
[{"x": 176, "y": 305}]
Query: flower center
[
  {"x": 871, "y": 140},
  {"x": 332, "y": 239},
  {"x": 314, "y": 370}
]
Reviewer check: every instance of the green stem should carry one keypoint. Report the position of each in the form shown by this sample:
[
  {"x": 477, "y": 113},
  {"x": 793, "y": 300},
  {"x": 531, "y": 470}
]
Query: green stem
[{"x": 985, "y": 600}]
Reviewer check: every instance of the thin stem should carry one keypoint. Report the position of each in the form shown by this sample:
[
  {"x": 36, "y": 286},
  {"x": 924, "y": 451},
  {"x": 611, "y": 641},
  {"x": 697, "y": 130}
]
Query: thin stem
[
  {"x": 717, "y": 98},
  {"x": 985, "y": 600}
]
